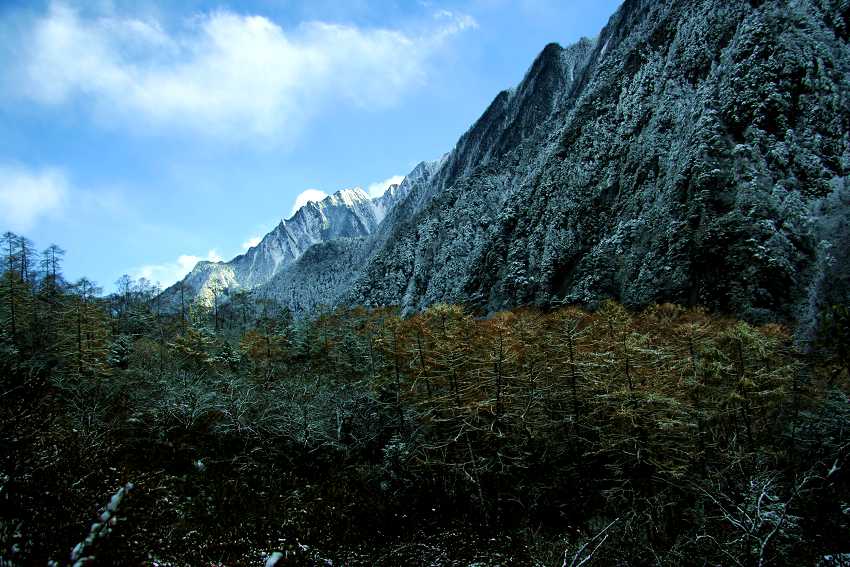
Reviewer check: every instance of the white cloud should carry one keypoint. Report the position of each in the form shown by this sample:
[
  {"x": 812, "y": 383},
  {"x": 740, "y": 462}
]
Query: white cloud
[
  {"x": 26, "y": 196},
  {"x": 304, "y": 197},
  {"x": 222, "y": 73},
  {"x": 251, "y": 242},
  {"x": 379, "y": 188},
  {"x": 454, "y": 22},
  {"x": 171, "y": 272}
]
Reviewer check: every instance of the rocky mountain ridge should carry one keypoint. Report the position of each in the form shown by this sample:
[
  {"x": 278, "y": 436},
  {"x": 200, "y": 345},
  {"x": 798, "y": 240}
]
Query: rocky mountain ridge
[
  {"x": 346, "y": 214},
  {"x": 697, "y": 151}
]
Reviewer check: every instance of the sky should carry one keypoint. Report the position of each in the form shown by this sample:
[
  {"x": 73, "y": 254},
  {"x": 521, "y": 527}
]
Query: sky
[{"x": 143, "y": 136}]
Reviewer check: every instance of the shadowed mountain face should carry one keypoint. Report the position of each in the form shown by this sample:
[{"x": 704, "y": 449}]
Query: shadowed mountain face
[{"x": 696, "y": 152}]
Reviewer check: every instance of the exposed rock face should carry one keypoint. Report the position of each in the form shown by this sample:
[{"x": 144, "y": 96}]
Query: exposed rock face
[{"x": 697, "y": 151}]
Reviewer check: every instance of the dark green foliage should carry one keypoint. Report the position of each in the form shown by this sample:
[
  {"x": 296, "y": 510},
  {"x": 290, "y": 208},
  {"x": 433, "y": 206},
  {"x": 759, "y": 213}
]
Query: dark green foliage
[
  {"x": 664, "y": 436},
  {"x": 836, "y": 337}
]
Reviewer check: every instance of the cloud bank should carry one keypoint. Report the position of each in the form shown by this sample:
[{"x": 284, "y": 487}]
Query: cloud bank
[
  {"x": 222, "y": 73},
  {"x": 172, "y": 272},
  {"x": 251, "y": 242},
  {"x": 379, "y": 188},
  {"x": 27, "y": 196}
]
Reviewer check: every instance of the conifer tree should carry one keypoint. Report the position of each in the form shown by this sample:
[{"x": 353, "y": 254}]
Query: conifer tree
[{"x": 86, "y": 331}]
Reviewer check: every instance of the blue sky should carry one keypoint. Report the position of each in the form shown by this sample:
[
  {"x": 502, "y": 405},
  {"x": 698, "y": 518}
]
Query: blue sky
[{"x": 143, "y": 136}]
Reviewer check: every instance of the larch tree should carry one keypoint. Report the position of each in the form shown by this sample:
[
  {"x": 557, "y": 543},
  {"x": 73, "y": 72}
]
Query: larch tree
[{"x": 86, "y": 330}]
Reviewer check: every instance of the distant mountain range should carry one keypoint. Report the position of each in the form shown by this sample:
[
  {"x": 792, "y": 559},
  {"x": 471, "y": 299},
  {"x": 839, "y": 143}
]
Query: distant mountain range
[
  {"x": 696, "y": 151},
  {"x": 347, "y": 214}
]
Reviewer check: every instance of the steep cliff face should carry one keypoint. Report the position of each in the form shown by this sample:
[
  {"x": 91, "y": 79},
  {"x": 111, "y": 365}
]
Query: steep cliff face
[
  {"x": 447, "y": 217},
  {"x": 697, "y": 152}
]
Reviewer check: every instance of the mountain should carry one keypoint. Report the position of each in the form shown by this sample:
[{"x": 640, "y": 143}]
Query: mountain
[
  {"x": 696, "y": 151},
  {"x": 325, "y": 274},
  {"x": 347, "y": 214}
]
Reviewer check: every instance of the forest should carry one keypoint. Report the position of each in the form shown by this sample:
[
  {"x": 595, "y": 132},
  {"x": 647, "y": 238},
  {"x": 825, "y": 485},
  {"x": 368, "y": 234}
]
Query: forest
[{"x": 239, "y": 433}]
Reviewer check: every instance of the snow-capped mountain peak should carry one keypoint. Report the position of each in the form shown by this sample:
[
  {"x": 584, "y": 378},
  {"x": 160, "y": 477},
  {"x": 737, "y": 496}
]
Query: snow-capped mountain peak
[{"x": 347, "y": 213}]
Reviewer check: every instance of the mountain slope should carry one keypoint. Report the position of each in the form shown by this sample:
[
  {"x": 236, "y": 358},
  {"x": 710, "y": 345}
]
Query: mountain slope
[
  {"x": 325, "y": 274},
  {"x": 696, "y": 152},
  {"x": 347, "y": 214}
]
